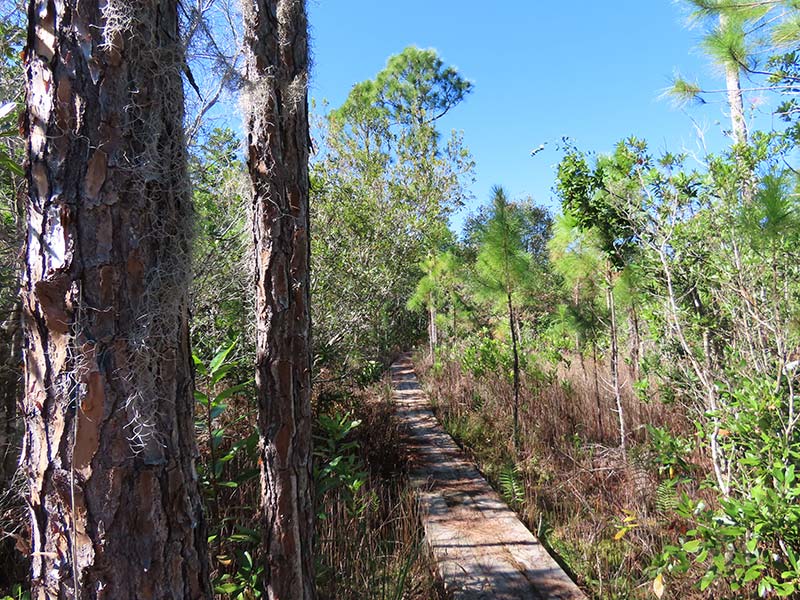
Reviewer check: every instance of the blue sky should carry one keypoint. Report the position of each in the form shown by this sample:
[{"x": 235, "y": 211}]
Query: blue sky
[{"x": 593, "y": 71}]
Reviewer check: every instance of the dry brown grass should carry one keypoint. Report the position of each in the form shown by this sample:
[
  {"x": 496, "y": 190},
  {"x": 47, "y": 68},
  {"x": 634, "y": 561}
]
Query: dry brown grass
[{"x": 579, "y": 487}]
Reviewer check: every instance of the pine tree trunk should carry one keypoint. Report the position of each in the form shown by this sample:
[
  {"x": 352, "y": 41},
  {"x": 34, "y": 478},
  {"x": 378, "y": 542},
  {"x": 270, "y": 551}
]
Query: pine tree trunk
[
  {"x": 453, "y": 308},
  {"x": 516, "y": 371},
  {"x": 276, "y": 46},
  {"x": 432, "y": 333},
  {"x": 597, "y": 396},
  {"x": 109, "y": 446},
  {"x": 636, "y": 342},
  {"x": 615, "y": 388},
  {"x": 736, "y": 104},
  {"x": 735, "y": 97}
]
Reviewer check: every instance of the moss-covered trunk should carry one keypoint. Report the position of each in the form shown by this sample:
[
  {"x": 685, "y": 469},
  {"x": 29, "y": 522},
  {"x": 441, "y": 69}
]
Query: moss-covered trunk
[
  {"x": 109, "y": 444},
  {"x": 278, "y": 143}
]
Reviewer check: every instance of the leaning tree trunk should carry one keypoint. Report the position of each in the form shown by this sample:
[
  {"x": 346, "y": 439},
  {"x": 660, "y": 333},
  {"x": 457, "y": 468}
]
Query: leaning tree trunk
[
  {"x": 109, "y": 445},
  {"x": 276, "y": 107}
]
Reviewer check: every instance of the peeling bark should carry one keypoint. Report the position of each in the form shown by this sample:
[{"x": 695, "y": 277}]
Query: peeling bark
[
  {"x": 276, "y": 44},
  {"x": 109, "y": 445}
]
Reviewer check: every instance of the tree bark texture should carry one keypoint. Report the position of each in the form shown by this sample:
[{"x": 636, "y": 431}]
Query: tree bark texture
[
  {"x": 276, "y": 107},
  {"x": 109, "y": 446}
]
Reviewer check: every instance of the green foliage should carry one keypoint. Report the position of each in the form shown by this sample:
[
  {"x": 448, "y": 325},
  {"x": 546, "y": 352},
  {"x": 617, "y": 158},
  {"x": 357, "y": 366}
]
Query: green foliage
[
  {"x": 440, "y": 292},
  {"x": 484, "y": 355},
  {"x": 17, "y": 593},
  {"x": 370, "y": 372},
  {"x": 12, "y": 37},
  {"x": 417, "y": 88},
  {"x": 670, "y": 452},
  {"x": 246, "y": 582},
  {"x": 337, "y": 465},
  {"x": 704, "y": 275},
  {"x": 9, "y": 116},
  {"x": 503, "y": 266},
  {"x": 684, "y": 91},
  {"x": 382, "y": 189},
  {"x": 667, "y": 498},
  {"x": 726, "y": 43},
  {"x": 536, "y": 226},
  {"x": 11, "y": 100},
  {"x": 511, "y": 486},
  {"x": 576, "y": 257},
  {"x": 591, "y": 197},
  {"x": 754, "y": 39},
  {"x": 221, "y": 296},
  {"x": 227, "y": 470},
  {"x": 437, "y": 284},
  {"x": 370, "y": 546},
  {"x": 215, "y": 420}
]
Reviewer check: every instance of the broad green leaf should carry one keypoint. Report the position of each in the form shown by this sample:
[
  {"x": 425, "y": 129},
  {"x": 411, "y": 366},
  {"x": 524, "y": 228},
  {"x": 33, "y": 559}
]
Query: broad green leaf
[{"x": 220, "y": 357}]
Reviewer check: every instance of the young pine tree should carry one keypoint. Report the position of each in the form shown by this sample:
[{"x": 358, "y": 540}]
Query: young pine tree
[
  {"x": 436, "y": 291},
  {"x": 502, "y": 267}
]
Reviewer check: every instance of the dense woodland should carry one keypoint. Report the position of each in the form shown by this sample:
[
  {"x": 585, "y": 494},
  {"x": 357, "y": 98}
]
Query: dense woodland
[{"x": 623, "y": 371}]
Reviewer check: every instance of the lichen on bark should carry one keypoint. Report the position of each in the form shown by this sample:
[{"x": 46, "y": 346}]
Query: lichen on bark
[
  {"x": 276, "y": 121},
  {"x": 109, "y": 446}
]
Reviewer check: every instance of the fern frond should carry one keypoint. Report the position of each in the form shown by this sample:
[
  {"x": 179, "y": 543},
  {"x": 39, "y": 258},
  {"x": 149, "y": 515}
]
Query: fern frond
[{"x": 511, "y": 485}]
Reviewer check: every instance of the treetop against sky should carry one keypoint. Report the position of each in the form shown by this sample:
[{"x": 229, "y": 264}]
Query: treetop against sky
[{"x": 590, "y": 71}]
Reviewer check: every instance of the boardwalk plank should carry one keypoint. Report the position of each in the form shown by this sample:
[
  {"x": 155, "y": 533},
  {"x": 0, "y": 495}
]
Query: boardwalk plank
[{"x": 482, "y": 550}]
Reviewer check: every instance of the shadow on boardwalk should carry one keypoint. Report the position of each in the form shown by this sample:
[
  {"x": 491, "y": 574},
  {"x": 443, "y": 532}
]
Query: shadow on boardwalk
[{"x": 482, "y": 550}]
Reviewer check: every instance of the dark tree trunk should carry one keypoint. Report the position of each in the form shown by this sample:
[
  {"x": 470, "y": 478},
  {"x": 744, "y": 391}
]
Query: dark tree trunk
[
  {"x": 109, "y": 446},
  {"x": 511, "y": 324},
  {"x": 10, "y": 370},
  {"x": 276, "y": 45}
]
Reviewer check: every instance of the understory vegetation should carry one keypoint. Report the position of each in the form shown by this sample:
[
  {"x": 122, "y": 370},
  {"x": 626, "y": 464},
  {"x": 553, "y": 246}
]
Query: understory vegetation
[
  {"x": 643, "y": 417},
  {"x": 369, "y": 533},
  {"x": 642, "y": 414}
]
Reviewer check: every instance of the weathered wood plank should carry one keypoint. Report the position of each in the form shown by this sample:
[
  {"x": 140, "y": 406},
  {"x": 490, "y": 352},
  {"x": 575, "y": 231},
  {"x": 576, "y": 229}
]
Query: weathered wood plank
[{"x": 481, "y": 548}]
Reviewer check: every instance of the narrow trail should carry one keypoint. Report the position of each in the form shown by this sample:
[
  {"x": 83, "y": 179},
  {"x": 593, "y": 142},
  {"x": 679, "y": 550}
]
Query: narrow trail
[{"x": 482, "y": 550}]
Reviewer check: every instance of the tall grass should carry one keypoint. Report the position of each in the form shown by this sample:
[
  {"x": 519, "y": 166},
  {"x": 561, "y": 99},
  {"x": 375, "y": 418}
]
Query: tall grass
[
  {"x": 603, "y": 514},
  {"x": 369, "y": 539},
  {"x": 370, "y": 545}
]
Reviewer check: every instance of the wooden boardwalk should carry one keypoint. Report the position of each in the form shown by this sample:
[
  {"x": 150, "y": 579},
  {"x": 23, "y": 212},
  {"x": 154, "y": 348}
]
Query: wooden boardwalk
[{"x": 481, "y": 548}]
